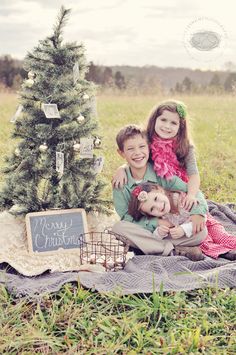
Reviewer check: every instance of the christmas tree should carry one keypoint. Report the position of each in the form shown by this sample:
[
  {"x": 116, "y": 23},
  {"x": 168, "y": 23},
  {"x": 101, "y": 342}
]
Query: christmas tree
[{"x": 54, "y": 164}]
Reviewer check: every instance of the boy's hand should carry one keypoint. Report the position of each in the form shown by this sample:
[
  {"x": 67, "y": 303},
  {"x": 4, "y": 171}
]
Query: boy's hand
[
  {"x": 120, "y": 178},
  {"x": 189, "y": 201},
  {"x": 163, "y": 230},
  {"x": 177, "y": 232},
  {"x": 198, "y": 222}
]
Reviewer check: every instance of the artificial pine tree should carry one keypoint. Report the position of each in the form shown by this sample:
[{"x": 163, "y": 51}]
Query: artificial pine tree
[{"x": 37, "y": 178}]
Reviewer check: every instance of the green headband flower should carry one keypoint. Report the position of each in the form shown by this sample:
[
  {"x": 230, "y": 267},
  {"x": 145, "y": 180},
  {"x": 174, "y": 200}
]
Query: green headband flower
[{"x": 181, "y": 109}]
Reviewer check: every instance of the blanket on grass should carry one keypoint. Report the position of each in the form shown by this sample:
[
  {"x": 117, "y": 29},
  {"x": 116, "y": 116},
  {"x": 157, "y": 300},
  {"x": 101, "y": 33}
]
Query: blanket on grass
[{"x": 142, "y": 274}]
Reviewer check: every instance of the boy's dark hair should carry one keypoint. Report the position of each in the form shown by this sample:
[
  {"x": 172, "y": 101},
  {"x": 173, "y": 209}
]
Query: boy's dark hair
[{"x": 128, "y": 132}]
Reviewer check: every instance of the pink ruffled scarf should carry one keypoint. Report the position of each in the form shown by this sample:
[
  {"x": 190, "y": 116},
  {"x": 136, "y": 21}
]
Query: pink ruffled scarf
[{"x": 165, "y": 161}]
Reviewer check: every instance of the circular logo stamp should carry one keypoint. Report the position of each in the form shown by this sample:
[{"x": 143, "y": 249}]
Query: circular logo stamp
[{"x": 205, "y": 39}]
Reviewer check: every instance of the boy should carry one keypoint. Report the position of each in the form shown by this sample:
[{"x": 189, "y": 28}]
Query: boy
[{"x": 133, "y": 147}]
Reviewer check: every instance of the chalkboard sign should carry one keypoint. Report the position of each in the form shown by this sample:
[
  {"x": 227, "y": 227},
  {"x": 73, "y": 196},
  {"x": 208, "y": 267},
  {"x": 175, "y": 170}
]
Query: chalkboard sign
[{"x": 56, "y": 230}]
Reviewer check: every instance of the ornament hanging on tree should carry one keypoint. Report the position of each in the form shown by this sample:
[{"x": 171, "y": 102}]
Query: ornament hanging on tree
[
  {"x": 43, "y": 148},
  {"x": 17, "y": 114},
  {"x": 86, "y": 148},
  {"x": 17, "y": 152},
  {"x": 60, "y": 163},
  {"x": 76, "y": 72},
  {"x": 97, "y": 142},
  {"x": 85, "y": 97},
  {"x": 98, "y": 164},
  {"x": 51, "y": 110},
  {"x": 29, "y": 83},
  {"x": 80, "y": 118},
  {"x": 76, "y": 147},
  {"x": 31, "y": 75}
]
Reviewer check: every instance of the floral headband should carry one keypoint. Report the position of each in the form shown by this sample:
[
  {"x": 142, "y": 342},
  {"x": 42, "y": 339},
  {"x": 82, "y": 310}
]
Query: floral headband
[
  {"x": 140, "y": 194},
  {"x": 181, "y": 109}
]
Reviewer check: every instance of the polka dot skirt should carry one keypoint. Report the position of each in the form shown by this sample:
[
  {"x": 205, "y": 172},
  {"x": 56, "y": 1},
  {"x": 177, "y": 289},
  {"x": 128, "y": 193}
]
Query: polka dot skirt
[{"x": 218, "y": 241}]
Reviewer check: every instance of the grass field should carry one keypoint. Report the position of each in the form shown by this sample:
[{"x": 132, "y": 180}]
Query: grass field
[{"x": 77, "y": 321}]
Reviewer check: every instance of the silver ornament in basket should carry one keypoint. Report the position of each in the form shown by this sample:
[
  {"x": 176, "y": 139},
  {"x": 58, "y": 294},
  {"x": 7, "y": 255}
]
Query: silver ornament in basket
[{"x": 105, "y": 248}]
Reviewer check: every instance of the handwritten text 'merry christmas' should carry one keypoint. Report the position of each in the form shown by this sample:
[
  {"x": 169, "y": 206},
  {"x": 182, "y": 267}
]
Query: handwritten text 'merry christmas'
[{"x": 54, "y": 234}]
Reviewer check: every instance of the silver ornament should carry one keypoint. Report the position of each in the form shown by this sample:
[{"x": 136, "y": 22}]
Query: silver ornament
[
  {"x": 31, "y": 75},
  {"x": 29, "y": 83},
  {"x": 17, "y": 152},
  {"x": 43, "y": 148},
  {"x": 97, "y": 142},
  {"x": 76, "y": 147},
  {"x": 80, "y": 118},
  {"x": 85, "y": 97}
]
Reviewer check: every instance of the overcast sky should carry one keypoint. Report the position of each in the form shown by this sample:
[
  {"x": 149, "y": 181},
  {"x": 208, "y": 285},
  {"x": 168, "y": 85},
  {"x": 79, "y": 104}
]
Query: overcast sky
[{"x": 133, "y": 32}]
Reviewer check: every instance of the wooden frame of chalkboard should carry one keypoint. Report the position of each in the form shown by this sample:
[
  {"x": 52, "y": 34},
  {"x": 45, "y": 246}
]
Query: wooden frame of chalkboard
[{"x": 55, "y": 231}]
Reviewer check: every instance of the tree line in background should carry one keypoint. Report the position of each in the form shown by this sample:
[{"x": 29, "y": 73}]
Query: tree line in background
[{"x": 146, "y": 80}]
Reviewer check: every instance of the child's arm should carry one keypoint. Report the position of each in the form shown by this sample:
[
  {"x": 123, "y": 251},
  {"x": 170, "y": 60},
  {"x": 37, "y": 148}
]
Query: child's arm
[
  {"x": 119, "y": 179},
  {"x": 193, "y": 188},
  {"x": 194, "y": 179},
  {"x": 185, "y": 229},
  {"x": 163, "y": 229},
  {"x": 198, "y": 222}
]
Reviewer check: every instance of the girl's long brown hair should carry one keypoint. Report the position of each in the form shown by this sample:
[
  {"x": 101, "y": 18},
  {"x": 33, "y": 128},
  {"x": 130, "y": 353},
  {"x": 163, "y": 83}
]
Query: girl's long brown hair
[
  {"x": 134, "y": 203},
  {"x": 183, "y": 140}
]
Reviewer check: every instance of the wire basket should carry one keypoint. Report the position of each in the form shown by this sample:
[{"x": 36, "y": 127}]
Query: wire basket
[{"x": 105, "y": 248}]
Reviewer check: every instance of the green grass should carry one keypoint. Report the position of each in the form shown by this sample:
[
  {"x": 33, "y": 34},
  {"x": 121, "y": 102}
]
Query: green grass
[{"x": 78, "y": 321}]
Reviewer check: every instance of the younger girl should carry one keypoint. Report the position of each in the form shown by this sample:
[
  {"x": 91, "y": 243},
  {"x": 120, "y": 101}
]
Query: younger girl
[{"x": 152, "y": 200}]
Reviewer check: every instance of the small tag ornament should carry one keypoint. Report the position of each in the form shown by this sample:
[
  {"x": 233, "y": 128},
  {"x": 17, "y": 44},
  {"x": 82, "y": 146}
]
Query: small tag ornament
[
  {"x": 60, "y": 163},
  {"x": 17, "y": 114},
  {"x": 98, "y": 164},
  {"x": 86, "y": 148},
  {"x": 51, "y": 110},
  {"x": 76, "y": 72}
]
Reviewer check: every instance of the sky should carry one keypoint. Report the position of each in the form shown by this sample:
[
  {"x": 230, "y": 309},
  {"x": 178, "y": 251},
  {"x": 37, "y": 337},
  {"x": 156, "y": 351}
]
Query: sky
[{"x": 177, "y": 33}]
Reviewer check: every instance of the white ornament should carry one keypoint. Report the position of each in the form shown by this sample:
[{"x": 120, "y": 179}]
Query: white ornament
[
  {"x": 80, "y": 118},
  {"x": 60, "y": 163},
  {"x": 76, "y": 147},
  {"x": 51, "y": 110},
  {"x": 97, "y": 142},
  {"x": 31, "y": 75},
  {"x": 93, "y": 259},
  {"x": 101, "y": 259},
  {"x": 29, "y": 83},
  {"x": 17, "y": 152},
  {"x": 85, "y": 97},
  {"x": 17, "y": 114},
  {"x": 76, "y": 72},
  {"x": 43, "y": 147},
  {"x": 86, "y": 148},
  {"x": 119, "y": 260},
  {"x": 110, "y": 263},
  {"x": 98, "y": 164}
]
